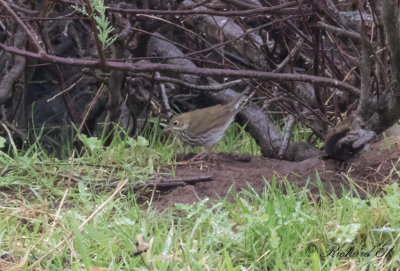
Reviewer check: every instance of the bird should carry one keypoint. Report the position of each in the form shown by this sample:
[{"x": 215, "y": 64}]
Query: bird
[{"x": 205, "y": 127}]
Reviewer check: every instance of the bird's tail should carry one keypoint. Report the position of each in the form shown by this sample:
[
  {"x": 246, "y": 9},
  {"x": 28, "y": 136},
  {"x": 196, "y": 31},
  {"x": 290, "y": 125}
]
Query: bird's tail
[{"x": 243, "y": 99}]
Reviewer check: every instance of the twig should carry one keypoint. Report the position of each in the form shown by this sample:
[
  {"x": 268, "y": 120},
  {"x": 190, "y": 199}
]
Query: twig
[
  {"x": 388, "y": 251},
  {"x": 164, "y": 97},
  {"x": 166, "y": 183},
  {"x": 88, "y": 110},
  {"x": 64, "y": 196},
  {"x": 289, "y": 56},
  {"x": 24, "y": 10},
  {"x": 57, "y": 216},
  {"x": 10, "y": 125},
  {"x": 81, "y": 226},
  {"x": 287, "y": 137},
  {"x": 340, "y": 31},
  {"x": 213, "y": 87},
  {"x": 152, "y": 197},
  {"x": 67, "y": 89},
  {"x": 10, "y": 137},
  {"x": 202, "y": 3},
  {"x": 21, "y": 23},
  {"x": 277, "y": 9}
]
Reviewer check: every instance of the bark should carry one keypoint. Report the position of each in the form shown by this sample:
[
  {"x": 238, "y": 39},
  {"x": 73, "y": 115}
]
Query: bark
[
  {"x": 7, "y": 83},
  {"x": 217, "y": 28}
]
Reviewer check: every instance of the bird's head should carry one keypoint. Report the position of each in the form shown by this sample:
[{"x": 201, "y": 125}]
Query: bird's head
[{"x": 177, "y": 123}]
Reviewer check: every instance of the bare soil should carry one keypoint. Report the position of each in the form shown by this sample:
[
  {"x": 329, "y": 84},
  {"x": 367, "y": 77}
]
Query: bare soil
[{"x": 370, "y": 171}]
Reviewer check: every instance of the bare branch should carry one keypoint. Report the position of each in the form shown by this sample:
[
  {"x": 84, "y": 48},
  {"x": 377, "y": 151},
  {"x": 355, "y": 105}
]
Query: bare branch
[
  {"x": 27, "y": 31},
  {"x": 287, "y": 137},
  {"x": 151, "y": 67},
  {"x": 7, "y": 82},
  {"x": 339, "y": 31},
  {"x": 278, "y": 9}
]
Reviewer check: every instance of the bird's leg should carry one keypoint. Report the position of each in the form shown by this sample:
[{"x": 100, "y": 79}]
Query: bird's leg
[
  {"x": 201, "y": 155},
  {"x": 208, "y": 152},
  {"x": 185, "y": 152}
]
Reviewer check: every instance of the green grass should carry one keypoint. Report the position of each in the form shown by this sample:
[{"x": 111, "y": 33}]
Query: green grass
[
  {"x": 237, "y": 140},
  {"x": 269, "y": 231},
  {"x": 274, "y": 230},
  {"x": 302, "y": 133}
]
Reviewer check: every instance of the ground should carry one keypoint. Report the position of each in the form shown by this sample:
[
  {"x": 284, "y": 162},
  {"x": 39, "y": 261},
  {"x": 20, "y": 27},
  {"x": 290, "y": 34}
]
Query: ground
[
  {"x": 369, "y": 171},
  {"x": 263, "y": 230}
]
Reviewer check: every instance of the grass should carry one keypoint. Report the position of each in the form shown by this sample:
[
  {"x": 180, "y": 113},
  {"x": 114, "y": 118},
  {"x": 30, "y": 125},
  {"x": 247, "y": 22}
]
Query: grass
[
  {"x": 273, "y": 230},
  {"x": 237, "y": 140}
]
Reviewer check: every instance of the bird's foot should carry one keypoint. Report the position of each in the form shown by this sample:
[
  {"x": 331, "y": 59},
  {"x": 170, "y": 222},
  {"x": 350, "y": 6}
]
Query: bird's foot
[
  {"x": 205, "y": 157},
  {"x": 199, "y": 157}
]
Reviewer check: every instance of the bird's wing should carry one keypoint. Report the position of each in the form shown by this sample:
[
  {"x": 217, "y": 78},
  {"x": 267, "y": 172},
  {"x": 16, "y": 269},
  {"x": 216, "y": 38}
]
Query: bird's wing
[{"x": 215, "y": 116}]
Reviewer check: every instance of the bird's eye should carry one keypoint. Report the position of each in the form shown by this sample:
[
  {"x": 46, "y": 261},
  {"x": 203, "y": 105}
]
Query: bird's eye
[{"x": 175, "y": 123}]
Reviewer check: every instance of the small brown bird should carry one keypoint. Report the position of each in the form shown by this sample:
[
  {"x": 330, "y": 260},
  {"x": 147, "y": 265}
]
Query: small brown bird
[{"x": 205, "y": 127}]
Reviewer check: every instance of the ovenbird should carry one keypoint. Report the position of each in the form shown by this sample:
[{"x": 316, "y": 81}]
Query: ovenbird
[{"x": 205, "y": 127}]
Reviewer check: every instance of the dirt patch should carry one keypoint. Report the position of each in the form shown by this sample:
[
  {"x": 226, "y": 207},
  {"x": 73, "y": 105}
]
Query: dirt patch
[
  {"x": 379, "y": 163},
  {"x": 371, "y": 169}
]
